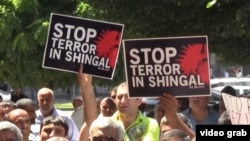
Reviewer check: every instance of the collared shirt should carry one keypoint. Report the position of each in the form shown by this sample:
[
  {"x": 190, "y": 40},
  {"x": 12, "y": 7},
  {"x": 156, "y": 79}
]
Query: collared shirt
[
  {"x": 73, "y": 131},
  {"x": 142, "y": 128},
  {"x": 211, "y": 118},
  {"x": 77, "y": 116}
]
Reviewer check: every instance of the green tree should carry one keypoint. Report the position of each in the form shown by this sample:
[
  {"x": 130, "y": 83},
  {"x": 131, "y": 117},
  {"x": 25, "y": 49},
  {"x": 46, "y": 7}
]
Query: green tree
[
  {"x": 226, "y": 22},
  {"x": 24, "y": 25},
  {"x": 23, "y": 30}
]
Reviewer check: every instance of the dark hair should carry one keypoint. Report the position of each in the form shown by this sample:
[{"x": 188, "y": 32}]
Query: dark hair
[
  {"x": 229, "y": 90},
  {"x": 1, "y": 98},
  {"x": 56, "y": 120},
  {"x": 224, "y": 119},
  {"x": 9, "y": 103}
]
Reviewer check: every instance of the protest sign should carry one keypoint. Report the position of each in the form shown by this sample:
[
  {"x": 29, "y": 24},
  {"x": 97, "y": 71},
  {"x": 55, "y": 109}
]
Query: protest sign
[
  {"x": 176, "y": 65},
  {"x": 72, "y": 41},
  {"x": 238, "y": 109}
]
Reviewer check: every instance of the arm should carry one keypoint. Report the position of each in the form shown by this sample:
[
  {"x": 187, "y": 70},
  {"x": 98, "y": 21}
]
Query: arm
[
  {"x": 170, "y": 105},
  {"x": 88, "y": 96}
]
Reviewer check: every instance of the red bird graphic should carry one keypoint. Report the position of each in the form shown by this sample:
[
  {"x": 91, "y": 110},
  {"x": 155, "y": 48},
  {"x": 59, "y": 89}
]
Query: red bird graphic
[
  {"x": 193, "y": 60},
  {"x": 107, "y": 45}
]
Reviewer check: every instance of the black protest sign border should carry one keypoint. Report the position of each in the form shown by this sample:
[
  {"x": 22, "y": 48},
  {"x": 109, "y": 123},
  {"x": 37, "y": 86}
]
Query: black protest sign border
[
  {"x": 72, "y": 41},
  {"x": 167, "y": 60}
]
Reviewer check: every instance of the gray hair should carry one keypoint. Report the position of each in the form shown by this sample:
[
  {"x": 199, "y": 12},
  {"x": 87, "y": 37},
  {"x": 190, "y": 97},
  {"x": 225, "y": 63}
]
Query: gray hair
[
  {"x": 21, "y": 103},
  {"x": 8, "y": 126},
  {"x": 105, "y": 122},
  {"x": 175, "y": 133},
  {"x": 224, "y": 119},
  {"x": 45, "y": 90}
]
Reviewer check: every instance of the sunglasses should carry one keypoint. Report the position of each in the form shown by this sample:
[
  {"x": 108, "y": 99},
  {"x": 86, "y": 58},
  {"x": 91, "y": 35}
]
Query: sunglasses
[{"x": 102, "y": 138}]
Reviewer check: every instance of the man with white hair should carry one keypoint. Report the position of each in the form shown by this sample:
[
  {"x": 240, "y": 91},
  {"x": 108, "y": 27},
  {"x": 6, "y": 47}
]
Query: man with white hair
[
  {"x": 106, "y": 128},
  {"x": 46, "y": 100},
  {"x": 9, "y": 132}
]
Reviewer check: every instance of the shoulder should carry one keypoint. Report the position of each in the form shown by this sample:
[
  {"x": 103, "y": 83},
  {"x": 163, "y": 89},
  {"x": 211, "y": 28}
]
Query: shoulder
[
  {"x": 214, "y": 113},
  {"x": 63, "y": 114},
  {"x": 186, "y": 112},
  {"x": 153, "y": 130},
  {"x": 153, "y": 123}
]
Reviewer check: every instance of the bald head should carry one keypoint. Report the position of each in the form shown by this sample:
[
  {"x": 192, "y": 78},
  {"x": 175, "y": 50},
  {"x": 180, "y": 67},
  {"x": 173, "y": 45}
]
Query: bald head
[
  {"x": 21, "y": 119},
  {"x": 45, "y": 99},
  {"x": 16, "y": 112}
]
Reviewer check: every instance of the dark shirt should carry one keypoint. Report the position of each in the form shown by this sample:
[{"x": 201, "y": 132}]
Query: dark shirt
[{"x": 14, "y": 97}]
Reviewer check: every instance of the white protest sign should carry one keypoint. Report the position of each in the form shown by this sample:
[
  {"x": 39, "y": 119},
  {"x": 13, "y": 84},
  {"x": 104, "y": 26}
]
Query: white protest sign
[{"x": 238, "y": 109}]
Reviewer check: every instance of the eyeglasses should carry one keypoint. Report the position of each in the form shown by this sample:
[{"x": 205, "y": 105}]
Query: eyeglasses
[{"x": 102, "y": 138}]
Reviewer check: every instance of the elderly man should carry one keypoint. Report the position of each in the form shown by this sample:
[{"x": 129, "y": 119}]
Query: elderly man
[
  {"x": 9, "y": 132},
  {"x": 46, "y": 108},
  {"x": 136, "y": 126},
  {"x": 106, "y": 128},
  {"x": 21, "y": 119},
  {"x": 29, "y": 106}
]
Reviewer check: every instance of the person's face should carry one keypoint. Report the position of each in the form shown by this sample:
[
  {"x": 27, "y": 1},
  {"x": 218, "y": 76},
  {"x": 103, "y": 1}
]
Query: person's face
[
  {"x": 7, "y": 107},
  {"x": 7, "y": 136},
  {"x": 22, "y": 120},
  {"x": 198, "y": 102},
  {"x": 31, "y": 110},
  {"x": 46, "y": 102},
  {"x": 52, "y": 130},
  {"x": 76, "y": 103},
  {"x": 127, "y": 105},
  {"x": 105, "y": 134},
  {"x": 107, "y": 108},
  {"x": 113, "y": 95},
  {"x": 17, "y": 90}
]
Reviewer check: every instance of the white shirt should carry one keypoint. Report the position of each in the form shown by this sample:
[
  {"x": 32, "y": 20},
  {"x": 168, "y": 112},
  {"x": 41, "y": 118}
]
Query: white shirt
[
  {"x": 73, "y": 131},
  {"x": 77, "y": 117}
]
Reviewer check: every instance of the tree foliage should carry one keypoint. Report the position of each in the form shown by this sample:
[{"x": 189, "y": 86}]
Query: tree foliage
[{"x": 24, "y": 26}]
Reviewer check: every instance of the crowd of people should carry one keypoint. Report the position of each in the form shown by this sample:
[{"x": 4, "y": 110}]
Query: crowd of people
[{"x": 116, "y": 117}]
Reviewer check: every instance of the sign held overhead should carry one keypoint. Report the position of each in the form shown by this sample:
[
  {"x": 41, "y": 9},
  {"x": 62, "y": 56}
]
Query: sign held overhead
[
  {"x": 176, "y": 65},
  {"x": 73, "y": 41}
]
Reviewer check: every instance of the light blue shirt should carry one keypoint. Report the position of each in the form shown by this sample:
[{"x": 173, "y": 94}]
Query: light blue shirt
[
  {"x": 73, "y": 131},
  {"x": 211, "y": 119}
]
